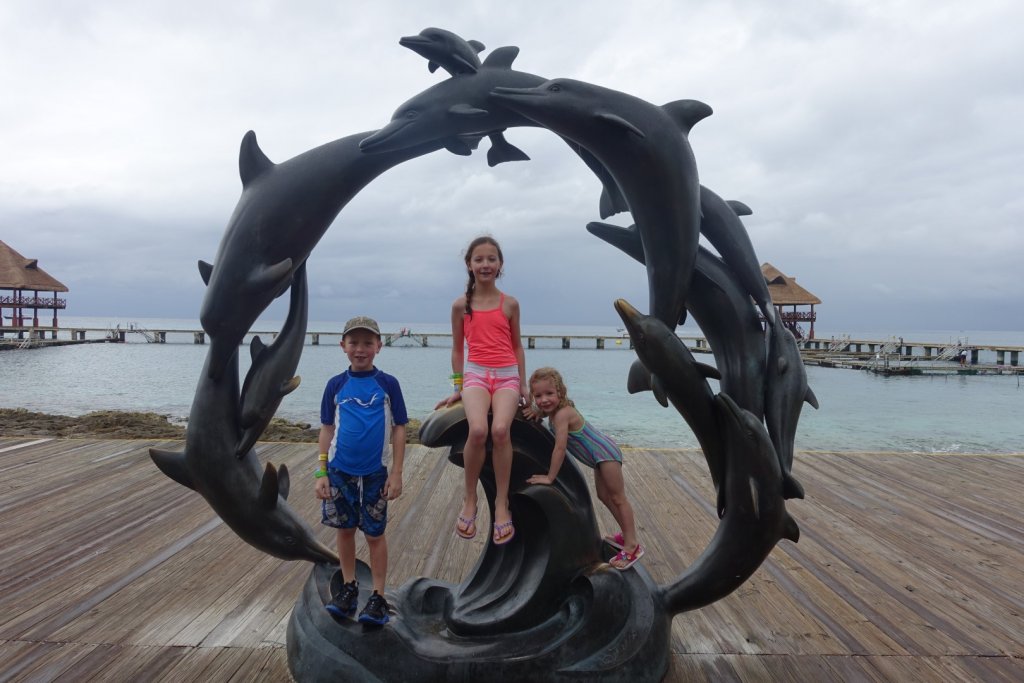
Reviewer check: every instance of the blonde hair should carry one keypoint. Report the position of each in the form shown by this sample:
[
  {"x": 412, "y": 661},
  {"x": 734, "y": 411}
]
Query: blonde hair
[{"x": 541, "y": 374}]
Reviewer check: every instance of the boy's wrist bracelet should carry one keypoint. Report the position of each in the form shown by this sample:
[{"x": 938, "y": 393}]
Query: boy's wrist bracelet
[{"x": 320, "y": 473}]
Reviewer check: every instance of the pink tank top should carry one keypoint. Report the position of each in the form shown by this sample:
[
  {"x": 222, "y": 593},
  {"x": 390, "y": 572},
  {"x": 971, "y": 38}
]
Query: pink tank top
[{"x": 489, "y": 336}]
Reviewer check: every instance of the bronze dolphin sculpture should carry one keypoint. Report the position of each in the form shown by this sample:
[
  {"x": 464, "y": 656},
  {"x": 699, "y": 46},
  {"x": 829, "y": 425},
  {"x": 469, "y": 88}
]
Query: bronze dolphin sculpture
[
  {"x": 645, "y": 148},
  {"x": 283, "y": 212},
  {"x": 251, "y": 499},
  {"x": 444, "y": 49},
  {"x": 271, "y": 376},
  {"x": 755, "y": 515},
  {"x": 786, "y": 391}
]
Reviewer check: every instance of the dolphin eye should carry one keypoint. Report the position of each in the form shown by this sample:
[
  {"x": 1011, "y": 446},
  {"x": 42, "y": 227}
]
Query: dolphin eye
[
  {"x": 554, "y": 87},
  {"x": 290, "y": 540},
  {"x": 411, "y": 114}
]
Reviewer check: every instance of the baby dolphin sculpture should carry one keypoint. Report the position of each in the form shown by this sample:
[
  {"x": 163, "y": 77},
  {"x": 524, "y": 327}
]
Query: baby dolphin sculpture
[{"x": 444, "y": 49}]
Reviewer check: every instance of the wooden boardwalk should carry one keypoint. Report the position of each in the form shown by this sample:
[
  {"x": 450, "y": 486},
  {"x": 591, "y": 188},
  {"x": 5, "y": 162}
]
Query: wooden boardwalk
[{"x": 909, "y": 567}]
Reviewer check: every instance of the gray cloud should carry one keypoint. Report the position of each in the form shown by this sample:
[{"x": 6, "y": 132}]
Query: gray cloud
[{"x": 877, "y": 143}]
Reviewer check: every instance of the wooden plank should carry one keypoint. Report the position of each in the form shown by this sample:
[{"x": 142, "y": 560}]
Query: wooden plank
[{"x": 909, "y": 566}]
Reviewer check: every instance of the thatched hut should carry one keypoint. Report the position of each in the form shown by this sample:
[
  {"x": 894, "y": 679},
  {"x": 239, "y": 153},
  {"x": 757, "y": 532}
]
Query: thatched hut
[
  {"x": 25, "y": 280},
  {"x": 786, "y": 292}
]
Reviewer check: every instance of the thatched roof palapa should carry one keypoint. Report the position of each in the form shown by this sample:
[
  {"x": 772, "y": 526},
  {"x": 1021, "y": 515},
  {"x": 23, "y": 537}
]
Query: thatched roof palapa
[
  {"x": 784, "y": 289},
  {"x": 18, "y": 272}
]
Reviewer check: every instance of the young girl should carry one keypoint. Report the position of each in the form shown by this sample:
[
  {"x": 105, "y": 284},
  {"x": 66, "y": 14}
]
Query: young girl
[
  {"x": 593, "y": 449},
  {"x": 491, "y": 378}
]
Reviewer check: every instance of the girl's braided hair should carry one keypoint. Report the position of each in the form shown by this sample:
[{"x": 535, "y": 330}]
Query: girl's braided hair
[{"x": 471, "y": 285}]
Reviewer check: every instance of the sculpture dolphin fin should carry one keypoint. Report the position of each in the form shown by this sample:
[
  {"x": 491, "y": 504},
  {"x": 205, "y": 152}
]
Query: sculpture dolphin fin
[
  {"x": 205, "y": 271},
  {"x": 659, "y": 391},
  {"x": 172, "y": 463},
  {"x": 625, "y": 239},
  {"x": 501, "y": 58},
  {"x": 791, "y": 488},
  {"x": 811, "y": 398},
  {"x": 269, "y": 488},
  {"x": 686, "y": 113},
  {"x": 289, "y": 386},
  {"x": 790, "y": 529},
  {"x": 708, "y": 370},
  {"x": 739, "y": 208},
  {"x": 252, "y": 162},
  {"x": 458, "y": 146},
  {"x": 612, "y": 201},
  {"x": 284, "y": 481},
  {"x": 619, "y": 122},
  {"x": 274, "y": 278},
  {"x": 465, "y": 111},
  {"x": 256, "y": 347},
  {"x": 501, "y": 150},
  {"x": 638, "y": 379}
]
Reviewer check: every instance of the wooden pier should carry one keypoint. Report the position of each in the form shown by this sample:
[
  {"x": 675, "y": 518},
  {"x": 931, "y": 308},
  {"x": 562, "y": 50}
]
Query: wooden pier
[
  {"x": 909, "y": 567},
  {"x": 840, "y": 353}
]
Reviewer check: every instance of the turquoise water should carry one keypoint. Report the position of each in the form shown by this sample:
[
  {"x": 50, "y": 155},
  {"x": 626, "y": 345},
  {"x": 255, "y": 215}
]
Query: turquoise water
[{"x": 859, "y": 411}]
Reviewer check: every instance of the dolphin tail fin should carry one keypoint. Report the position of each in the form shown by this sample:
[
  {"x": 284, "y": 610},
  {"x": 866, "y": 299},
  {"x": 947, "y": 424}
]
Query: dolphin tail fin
[
  {"x": 501, "y": 151},
  {"x": 611, "y": 203},
  {"x": 811, "y": 398},
  {"x": 791, "y": 488},
  {"x": 501, "y": 58},
  {"x": 205, "y": 271},
  {"x": 790, "y": 529},
  {"x": 252, "y": 162},
  {"x": 687, "y": 113},
  {"x": 269, "y": 488},
  {"x": 172, "y": 463},
  {"x": 626, "y": 239}
]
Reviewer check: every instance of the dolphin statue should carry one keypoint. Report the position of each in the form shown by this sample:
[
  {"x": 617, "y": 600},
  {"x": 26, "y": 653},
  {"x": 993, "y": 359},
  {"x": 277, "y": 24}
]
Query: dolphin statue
[
  {"x": 251, "y": 499},
  {"x": 444, "y": 49},
  {"x": 724, "y": 313},
  {"x": 720, "y": 223},
  {"x": 785, "y": 392},
  {"x": 271, "y": 376},
  {"x": 461, "y": 106},
  {"x": 645, "y": 148},
  {"x": 755, "y": 517},
  {"x": 283, "y": 212},
  {"x": 676, "y": 376}
]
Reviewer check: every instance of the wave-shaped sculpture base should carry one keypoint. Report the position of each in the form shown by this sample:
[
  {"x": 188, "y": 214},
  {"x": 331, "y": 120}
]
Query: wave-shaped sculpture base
[{"x": 606, "y": 626}]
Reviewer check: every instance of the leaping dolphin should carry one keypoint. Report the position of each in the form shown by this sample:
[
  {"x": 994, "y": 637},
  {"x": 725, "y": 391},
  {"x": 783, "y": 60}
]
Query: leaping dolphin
[
  {"x": 283, "y": 212},
  {"x": 720, "y": 223},
  {"x": 271, "y": 376},
  {"x": 755, "y": 515},
  {"x": 645, "y": 148},
  {"x": 444, "y": 49},
  {"x": 460, "y": 106},
  {"x": 249, "y": 498},
  {"x": 785, "y": 392},
  {"x": 677, "y": 377}
]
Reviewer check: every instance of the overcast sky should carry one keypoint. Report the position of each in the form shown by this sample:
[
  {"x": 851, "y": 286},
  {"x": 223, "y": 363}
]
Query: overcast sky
[{"x": 878, "y": 143}]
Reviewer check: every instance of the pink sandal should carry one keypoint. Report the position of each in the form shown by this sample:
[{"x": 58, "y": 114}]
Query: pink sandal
[
  {"x": 627, "y": 557},
  {"x": 503, "y": 533},
  {"x": 616, "y": 541},
  {"x": 468, "y": 529}
]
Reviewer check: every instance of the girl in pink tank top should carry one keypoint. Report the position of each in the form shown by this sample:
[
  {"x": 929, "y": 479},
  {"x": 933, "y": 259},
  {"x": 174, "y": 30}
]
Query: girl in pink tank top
[{"x": 491, "y": 378}]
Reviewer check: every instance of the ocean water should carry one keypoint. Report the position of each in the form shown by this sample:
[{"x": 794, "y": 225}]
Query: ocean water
[{"x": 859, "y": 411}]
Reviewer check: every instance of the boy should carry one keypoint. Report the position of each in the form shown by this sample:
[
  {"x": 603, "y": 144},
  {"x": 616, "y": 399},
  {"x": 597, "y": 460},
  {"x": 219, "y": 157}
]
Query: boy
[{"x": 361, "y": 408}]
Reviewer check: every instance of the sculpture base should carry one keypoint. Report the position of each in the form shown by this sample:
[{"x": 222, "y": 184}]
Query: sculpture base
[{"x": 608, "y": 626}]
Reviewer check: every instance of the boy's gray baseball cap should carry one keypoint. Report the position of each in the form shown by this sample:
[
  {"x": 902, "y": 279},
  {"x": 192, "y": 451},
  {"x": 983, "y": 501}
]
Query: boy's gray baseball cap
[{"x": 361, "y": 322}]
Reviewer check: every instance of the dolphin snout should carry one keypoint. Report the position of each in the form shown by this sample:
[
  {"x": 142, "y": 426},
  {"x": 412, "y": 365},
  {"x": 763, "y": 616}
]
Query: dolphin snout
[
  {"x": 414, "y": 41},
  {"x": 630, "y": 316},
  {"x": 378, "y": 142}
]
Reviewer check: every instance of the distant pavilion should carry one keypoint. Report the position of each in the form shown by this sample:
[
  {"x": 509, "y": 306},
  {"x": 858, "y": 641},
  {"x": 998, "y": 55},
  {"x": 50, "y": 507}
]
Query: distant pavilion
[
  {"x": 25, "y": 280},
  {"x": 786, "y": 292}
]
